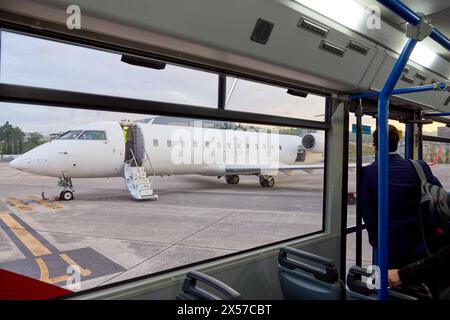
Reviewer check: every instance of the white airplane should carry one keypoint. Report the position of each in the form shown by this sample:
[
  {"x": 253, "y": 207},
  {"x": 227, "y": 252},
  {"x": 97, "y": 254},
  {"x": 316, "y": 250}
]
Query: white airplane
[{"x": 130, "y": 150}]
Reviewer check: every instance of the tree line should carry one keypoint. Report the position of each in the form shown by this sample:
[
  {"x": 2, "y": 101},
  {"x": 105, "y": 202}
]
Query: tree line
[{"x": 12, "y": 140}]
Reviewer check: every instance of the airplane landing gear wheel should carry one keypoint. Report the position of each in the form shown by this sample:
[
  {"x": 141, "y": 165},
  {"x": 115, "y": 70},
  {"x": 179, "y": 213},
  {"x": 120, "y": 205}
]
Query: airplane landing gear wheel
[
  {"x": 232, "y": 179},
  {"x": 66, "y": 195},
  {"x": 266, "y": 182},
  {"x": 67, "y": 192}
]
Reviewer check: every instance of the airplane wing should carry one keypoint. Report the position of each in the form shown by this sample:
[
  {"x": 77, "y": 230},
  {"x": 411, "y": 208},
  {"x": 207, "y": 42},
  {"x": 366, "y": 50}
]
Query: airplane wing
[
  {"x": 249, "y": 169},
  {"x": 270, "y": 170}
]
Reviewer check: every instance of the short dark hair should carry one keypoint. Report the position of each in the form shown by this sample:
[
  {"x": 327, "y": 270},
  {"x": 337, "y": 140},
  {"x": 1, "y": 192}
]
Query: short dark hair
[{"x": 394, "y": 138}]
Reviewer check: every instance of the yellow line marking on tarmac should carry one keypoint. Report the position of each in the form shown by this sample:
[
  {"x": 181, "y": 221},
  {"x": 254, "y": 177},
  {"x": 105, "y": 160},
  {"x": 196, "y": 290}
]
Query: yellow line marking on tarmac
[
  {"x": 45, "y": 276},
  {"x": 19, "y": 205},
  {"x": 45, "y": 203},
  {"x": 84, "y": 272},
  {"x": 34, "y": 245}
]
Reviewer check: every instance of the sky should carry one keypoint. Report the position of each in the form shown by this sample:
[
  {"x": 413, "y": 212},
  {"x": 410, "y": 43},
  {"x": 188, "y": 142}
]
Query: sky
[{"x": 43, "y": 63}]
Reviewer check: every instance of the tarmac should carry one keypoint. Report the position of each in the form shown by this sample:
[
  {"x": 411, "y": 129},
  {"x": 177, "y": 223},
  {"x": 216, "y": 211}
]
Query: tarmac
[{"x": 110, "y": 237}]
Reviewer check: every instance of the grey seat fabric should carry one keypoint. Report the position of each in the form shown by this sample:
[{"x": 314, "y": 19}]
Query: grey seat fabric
[
  {"x": 301, "y": 286},
  {"x": 304, "y": 280}
]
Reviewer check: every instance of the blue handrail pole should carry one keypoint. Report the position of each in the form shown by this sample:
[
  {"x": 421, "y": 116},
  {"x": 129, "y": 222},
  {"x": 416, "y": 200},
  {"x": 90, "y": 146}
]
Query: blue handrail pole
[
  {"x": 383, "y": 166},
  {"x": 402, "y": 10},
  {"x": 411, "y": 17},
  {"x": 437, "y": 36},
  {"x": 424, "y": 88},
  {"x": 441, "y": 114}
]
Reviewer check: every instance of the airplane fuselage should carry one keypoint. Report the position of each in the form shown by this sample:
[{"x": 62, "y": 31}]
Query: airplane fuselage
[{"x": 162, "y": 150}]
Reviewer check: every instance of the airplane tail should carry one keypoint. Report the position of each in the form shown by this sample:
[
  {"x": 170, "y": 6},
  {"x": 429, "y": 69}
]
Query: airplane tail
[{"x": 437, "y": 156}]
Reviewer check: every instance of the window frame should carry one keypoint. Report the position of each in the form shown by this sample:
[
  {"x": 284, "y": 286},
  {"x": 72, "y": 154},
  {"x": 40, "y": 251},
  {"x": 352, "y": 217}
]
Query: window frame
[{"x": 88, "y": 101}]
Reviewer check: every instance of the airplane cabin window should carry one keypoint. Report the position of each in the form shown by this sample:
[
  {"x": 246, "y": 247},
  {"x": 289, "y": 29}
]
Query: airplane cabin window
[
  {"x": 70, "y": 135},
  {"x": 169, "y": 143},
  {"x": 93, "y": 135},
  {"x": 155, "y": 142}
]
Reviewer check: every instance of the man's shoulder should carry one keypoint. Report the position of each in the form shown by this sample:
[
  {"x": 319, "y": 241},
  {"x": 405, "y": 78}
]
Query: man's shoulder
[
  {"x": 423, "y": 164},
  {"x": 371, "y": 166},
  {"x": 369, "y": 170}
]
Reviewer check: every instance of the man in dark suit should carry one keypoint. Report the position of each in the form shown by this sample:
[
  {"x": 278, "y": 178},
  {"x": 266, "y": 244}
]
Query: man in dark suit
[{"x": 406, "y": 242}]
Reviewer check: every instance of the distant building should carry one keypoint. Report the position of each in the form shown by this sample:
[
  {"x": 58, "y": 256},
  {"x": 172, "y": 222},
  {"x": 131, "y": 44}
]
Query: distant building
[
  {"x": 443, "y": 132},
  {"x": 52, "y": 136},
  {"x": 28, "y": 135}
]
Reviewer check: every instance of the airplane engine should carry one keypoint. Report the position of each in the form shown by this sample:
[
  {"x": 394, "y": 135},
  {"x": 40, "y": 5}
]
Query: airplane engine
[{"x": 313, "y": 142}]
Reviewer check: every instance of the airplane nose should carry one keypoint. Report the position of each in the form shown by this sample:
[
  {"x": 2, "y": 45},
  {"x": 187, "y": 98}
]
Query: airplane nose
[{"x": 20, "y": 163}]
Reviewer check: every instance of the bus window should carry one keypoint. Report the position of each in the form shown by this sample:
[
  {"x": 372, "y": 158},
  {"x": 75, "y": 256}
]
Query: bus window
[
  {"x": 257, "y": 97},
  {"x": 436, "y": 129},
  {"x": 368, "y": 156},
  {"x": 437, "y": 155},
  {"x": 402, "y": 130},
  {"x": 45, "y": 63}
]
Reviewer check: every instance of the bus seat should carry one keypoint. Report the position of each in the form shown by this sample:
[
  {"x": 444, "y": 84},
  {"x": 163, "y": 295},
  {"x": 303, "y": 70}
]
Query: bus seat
[
  {"x": 304, "y": 281},
  {"x": 191, "y": 291},
  {"x": 357, "y": 288}
]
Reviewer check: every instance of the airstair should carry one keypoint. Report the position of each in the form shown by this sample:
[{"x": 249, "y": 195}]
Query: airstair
[{"x": 136, "y": 180}]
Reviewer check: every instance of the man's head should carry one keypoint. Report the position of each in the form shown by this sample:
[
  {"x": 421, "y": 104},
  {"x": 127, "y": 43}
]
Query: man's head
[{"x": 394, "y": 138}]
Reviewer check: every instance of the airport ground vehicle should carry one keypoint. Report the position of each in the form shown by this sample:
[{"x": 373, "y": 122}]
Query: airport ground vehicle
[{"x": 334, "y": 60}]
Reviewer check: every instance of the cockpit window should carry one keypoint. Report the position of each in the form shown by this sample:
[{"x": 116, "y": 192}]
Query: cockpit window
[
  {"x": 93, "y": 135},
  {"x": 70, "y": 135}
]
